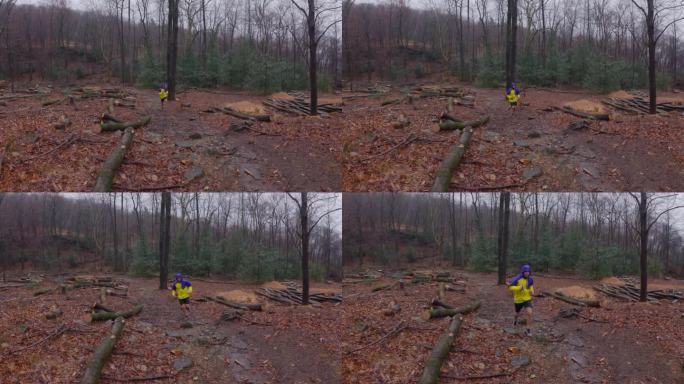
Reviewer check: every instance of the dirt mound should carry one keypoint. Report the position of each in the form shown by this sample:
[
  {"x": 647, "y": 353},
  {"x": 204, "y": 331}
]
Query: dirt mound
[
  {"x": 315, "y": 290},
  {"x": 621, "y": 94},
  {"x": 584, "y": 105},
  {"x": 330, "y": 100},
  {"x": 577, "y": 292},
  {"x": 239, "y": 296},
  {"x": 273, "y": 285},
  {"x": 281, "y": 96},
  {"x": 612, "y": 280},
  {"x": 247, "y": 107},
  {"x": 671, "y": 99}
]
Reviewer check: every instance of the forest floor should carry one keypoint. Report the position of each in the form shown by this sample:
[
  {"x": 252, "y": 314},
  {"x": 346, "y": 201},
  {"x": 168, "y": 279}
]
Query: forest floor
[
  {"x": 624, "y": 342},
  {"x": 181, "y": 149},
  {"x": 291, "y": 344},
  {"x": 530, "y": 149}
]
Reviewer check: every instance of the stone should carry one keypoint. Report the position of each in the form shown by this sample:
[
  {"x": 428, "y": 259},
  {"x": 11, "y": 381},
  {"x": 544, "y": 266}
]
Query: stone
[
  {"x": 520, "y": 361},
  {"x": 193, "y": 173},
  {"x": 521, "y": 143},
  {"x": 182, "y": 363},
  {"x": 195, "y": 136},
  {"x": 530, "y": 173},
  {"x": 184, "y": 144},
  {"x": 534, "y": 135}
]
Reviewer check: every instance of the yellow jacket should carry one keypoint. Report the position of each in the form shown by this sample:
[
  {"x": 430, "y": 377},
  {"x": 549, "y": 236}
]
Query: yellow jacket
[
  {"x": 512, "y": 97},
  {"x": 182, "y": 289},
  {"x": 163, "y": 94},
  {"x": 521, "y": 293}
]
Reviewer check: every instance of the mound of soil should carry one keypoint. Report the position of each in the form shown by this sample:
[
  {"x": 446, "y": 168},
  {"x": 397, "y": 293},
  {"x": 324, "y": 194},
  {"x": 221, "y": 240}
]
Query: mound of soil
[
  {"x": 273, "y": 285},
  {"x": 247, "y": 107},
  {"x": 281, "y": 96},
  {"x": 584, "y": 105},
  {"x": 621, "y": 94},
  {"x": 239, "y": 296},
  {"x": 577, "y": 292}
]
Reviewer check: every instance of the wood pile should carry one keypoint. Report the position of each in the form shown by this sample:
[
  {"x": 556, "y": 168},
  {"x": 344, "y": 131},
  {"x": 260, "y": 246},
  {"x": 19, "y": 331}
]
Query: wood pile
[
  {"x": 291, "y": 295},
  {"x": 107, "y": 93},
  {"x": 238, "y": 114},
  {"x": 630, "y": 291},
  {"x": 300, "y": 106},
  {"x": 639, "y": 104},
  {"x": 584, "y": 115},
  {"x": 439, "y": 91}
]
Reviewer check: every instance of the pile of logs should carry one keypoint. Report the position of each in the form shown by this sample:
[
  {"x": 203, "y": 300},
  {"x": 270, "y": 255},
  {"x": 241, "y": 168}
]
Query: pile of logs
[
  {"x": 640, "y": 105},
  {"x": 631, "y": 292},
  {"x": 300, "y": 106},
  {"x": 107, "y": 93},
  {"x": 291, "y": 295},
  {"x": 234, "y": 304},
  {"x": 439, "y": 91},
  {"x": 584, "y": 115}
]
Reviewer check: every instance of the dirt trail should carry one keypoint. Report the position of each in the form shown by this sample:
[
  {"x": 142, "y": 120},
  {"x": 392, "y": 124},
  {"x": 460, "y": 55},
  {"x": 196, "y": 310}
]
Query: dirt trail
[
  {"x": 239, "y": 161},
  {"x": 595, "y": 159},
  {"x": 235, "y": 351},
  {"x": 585, "y": 352}
]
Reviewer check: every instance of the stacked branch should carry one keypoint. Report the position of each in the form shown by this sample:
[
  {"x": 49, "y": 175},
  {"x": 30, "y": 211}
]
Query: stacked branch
[
  {"x": 101, "y": 355},
  {"x": 300, "y": 106},
  {"x": 631, "y": 292},
  {"x": 640, "y": 105},
  {"x": 440, "y": 309},
  {"x": 292, "y": 295}
]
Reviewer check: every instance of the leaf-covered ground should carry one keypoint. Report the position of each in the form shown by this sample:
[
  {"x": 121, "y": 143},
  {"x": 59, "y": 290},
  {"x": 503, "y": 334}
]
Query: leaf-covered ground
[
  {"x": 626, "y": 153},
  {"x": 298, "y": 344},
  {"x": 291, "y": 153},
  {"x": 639, "y": 343}
]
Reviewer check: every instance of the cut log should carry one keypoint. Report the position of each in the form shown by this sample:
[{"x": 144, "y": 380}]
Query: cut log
[
  {"x": 392, "y": 309},
  {"x": 451, "y": 162},
  {"x": 439, "y": 353},
  {"x": 580, "y": 302},
  {"x": 111, "y": 126},
  {"x": 54, "y": 313},
  {"x": 48, "y": 103},
  {"x": 232, "y": 304},
  {"x": 97, "y": 307},
  {"x": 110, "y": 106},
  {"x": 443, "y": 312},
  {"x": 101, "y": 355},
  {"x": 450, "y": 125},
  {"x": 102, "y": 316},
  {"x": 43, "y": 291},
  {"x": 105, "y": 118},
  {"x": 440, "y": 303},
  {"x": 105, "y": 179}
]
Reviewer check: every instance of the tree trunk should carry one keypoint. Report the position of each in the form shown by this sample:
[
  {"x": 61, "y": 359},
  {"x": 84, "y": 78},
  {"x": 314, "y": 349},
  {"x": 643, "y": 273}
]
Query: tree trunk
[
  {"x": 313, "y": 47},
  {"x": 443, "y": 312},
  {"x": 172, "y": 49},
  {"x": 102, "y": 353},
  {"x": 304, "y": 218},
  {"x": 650, "y": 29},
  {"x": 102, "y": 316},
  {"x": 164, "y": 238},
  {"x": 643, "y": 250}
]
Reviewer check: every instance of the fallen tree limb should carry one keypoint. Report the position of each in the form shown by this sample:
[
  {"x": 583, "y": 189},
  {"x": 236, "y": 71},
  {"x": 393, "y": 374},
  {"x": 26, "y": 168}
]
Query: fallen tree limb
[
  {"x": 399, "y": 327},
  {"x": 232, "y": 304},
  {"x": 477, "y": 377},
  {"x": 113, "y": 162},
  {"x": 102, "y": 316},
  {"x": 242, "y": 115},
  {"x": 110, "y": 125},
  {"x": 590, "y": 116},
  {"x": 443, "y": 312},
  {"x": 441, "y": 350},
  {"x": 451, "y": 162},
  {"x": 570, "y": 300},
  {"x": 130, "y": 379},
  {"x": 101, "y": 355}
]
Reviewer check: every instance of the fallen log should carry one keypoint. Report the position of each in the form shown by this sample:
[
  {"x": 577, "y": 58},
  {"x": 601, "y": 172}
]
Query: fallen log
[
  {"x": 106, "y": 175},
  {"x": 232, "y": 304},
  {"x": 433, "y": 365},
  {"x": 48, "y": 103},
  {"x": 102, "y": 316},
  {"x": 450, "y": 125},
  {"x": 243, "y": 115},
  {"x": 110, "y": 126},
  {"x": 570, "y": 300},
  {"x": 590, "y": 116},
  {"x": 451, "y": 162},
  {"x": 101, "y": 355},
  {"x": 443, "y": 312}
]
